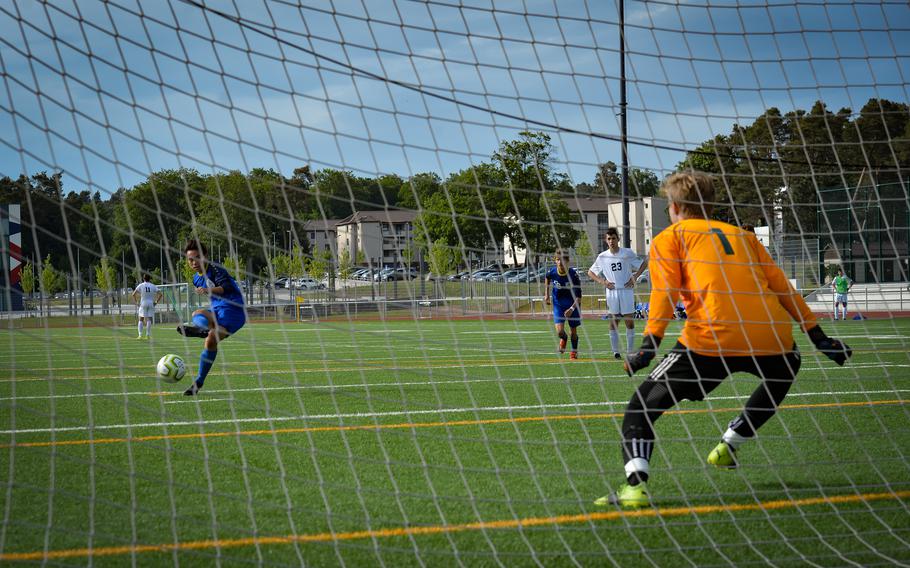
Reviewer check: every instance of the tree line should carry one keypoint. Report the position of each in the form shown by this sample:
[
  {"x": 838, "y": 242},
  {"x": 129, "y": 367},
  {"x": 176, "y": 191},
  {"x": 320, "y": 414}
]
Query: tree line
[{"x": 254, "y": 221}]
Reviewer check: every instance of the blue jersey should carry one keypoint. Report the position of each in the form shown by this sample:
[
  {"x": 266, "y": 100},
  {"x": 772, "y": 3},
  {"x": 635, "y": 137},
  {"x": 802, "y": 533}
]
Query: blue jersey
[
  {"x": 217, "y": 276},
  {"x": 565, "y": 287}
]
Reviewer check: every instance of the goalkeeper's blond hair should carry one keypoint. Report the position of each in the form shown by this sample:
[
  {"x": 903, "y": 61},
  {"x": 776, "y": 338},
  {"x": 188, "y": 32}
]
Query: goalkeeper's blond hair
[{"x": 692, "y": 192}]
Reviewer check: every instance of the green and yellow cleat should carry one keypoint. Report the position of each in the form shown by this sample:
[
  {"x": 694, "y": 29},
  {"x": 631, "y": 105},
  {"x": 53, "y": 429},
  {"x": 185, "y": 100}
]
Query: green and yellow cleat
[
  {"x": 723, "y": 456},
  {"x": 627, "y": 496}
]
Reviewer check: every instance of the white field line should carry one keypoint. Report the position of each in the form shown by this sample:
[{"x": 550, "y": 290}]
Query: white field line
[
  {"x": 456, "y": 382},
  {"x": 407, "y": 413},
  {"x": 309, "y": 387}
]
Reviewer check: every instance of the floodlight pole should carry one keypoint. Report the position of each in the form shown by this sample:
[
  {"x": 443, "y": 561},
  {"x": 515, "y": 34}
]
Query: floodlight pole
[{"x": 626, "y": 237}]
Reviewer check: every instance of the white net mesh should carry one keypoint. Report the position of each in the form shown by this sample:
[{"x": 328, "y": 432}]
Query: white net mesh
[{"x": 387, "y": 184}]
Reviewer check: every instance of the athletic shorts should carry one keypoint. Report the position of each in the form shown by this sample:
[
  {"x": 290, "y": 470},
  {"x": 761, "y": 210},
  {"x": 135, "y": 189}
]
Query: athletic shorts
[
  {"x": 840, "y": 298},
  {"x": 621, "y": 301},
  {"x": 559, "y": 316},
  {"x": 691, "y": 376},
  {"x": 146, "y": 310},
  {"x": 231, "y": 318}
]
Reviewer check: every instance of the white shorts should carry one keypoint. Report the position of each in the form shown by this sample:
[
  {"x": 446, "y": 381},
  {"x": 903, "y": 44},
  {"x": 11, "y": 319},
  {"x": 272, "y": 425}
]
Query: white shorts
[
  {"x": 840, "y": 299},
  {"x": 146, "y": 310},
  {"x": 621, "y": 302}
]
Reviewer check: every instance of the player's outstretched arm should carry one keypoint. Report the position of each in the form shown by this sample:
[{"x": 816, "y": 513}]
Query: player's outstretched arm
[
  {"x": 833, "y": 349},
  {"x": 645, "y": 354}
]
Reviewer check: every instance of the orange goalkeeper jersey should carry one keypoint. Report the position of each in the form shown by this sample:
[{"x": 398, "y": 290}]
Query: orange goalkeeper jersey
[{"x": 737, "y": 299}]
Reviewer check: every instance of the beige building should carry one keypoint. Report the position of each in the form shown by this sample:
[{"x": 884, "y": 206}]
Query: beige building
[
  {"x": 648, "y": 216},
  {"x": 381, "y": 236},
  {"x": 321, "y": 234}
]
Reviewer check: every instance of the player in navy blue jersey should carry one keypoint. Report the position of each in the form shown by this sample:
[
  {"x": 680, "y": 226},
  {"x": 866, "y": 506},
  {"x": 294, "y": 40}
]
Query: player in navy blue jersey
[
  {"x": 226, "y": 316},
  {"x": 564, "y": 288}
]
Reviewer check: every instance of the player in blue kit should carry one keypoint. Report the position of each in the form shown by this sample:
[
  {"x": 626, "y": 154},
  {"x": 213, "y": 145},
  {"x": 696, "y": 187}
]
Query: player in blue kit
[
  {"x": 564, "y": 285},
  {"x": 224, "y": 319}
]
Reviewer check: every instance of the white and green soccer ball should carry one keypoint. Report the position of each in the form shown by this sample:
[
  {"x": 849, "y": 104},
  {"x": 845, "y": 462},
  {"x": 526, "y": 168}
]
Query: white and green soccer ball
[{"x": 171, "y": 368}]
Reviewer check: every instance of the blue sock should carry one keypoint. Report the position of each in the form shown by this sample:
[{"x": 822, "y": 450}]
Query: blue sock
[
  {"x": 200, "y": 320},
  {"x": 206, "y": 360}
]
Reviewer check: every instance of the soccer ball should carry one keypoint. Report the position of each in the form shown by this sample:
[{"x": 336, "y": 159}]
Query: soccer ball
[{"x": 171, "y": 368}]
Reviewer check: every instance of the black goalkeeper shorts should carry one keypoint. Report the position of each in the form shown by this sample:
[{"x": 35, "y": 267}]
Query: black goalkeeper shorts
[{"x": 690, "y": 376}]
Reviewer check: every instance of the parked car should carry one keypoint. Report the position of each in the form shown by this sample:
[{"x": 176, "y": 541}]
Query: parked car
[
  {"x": 644, "y": 278},
  {"x": 481, "y": 274},
  {"x": 360, "y": 274},
  {"x": 403, "y": 274},
  {"x": 510, "y": 274},
  {"x": 305, "y": 283},
  {"x": 381, "y": 275},
  {"x": 460, "y": 276},
  {"x": 534, "y": 275}
]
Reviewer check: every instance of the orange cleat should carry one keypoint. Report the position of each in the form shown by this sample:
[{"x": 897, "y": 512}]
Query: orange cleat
[{"x": 573, "y": 355}]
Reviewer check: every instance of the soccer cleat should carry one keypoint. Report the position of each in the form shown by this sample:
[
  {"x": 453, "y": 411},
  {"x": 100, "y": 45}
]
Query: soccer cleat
[
  {"x": 193, "y": 390},
  {"x": 562, "y": 345},
  {"x": 723, "y": 455},
  {"x": 627, "y": 496},
  {"x": 617, "y": 355},
  {"x": 573, "y": 355},
  {"x": 190, "y": 330}
]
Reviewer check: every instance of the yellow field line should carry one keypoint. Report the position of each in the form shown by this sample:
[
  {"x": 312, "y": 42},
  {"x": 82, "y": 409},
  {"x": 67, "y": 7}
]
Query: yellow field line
[
  {"x": 415, "y": 425},
  {"x": 444, "y": 529}
]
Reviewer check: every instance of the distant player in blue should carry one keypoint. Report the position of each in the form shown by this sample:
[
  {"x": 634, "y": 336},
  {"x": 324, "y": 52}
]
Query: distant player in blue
[
  {"x": 564, "y": 286},
  {"x": 225, "y": 318}
]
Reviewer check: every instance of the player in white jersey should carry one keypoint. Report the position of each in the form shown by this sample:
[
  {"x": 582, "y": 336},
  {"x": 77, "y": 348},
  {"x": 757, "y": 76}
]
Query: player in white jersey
[
  {"x": 613, "y": 268},
  {"x": 146, "y": 295}
]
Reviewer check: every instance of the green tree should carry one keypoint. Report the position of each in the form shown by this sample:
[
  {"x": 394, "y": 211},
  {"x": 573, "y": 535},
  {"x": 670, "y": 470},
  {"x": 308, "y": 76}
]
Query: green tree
[
  {"x": 583, "y": 251},
  {"x": 105, "y": 280},
  {"x": 345, "y": 264},
  {"x": 52, "y": 280},
  {"x": 154, "y": 215},
  {"x": 608, "y": 182},
  {"x": 27, "y": 275},
  {"x": 460, "y": 213},
  {"x": 235, "y": 267},
  {"x": 231, "y": 214},
  {"x": 281, "y": 264},
  {"x": 320, "y": 264},
  {"x": 536, "y": 216},
  {"x": 442, "y": 257},
  {"x": 186, "y": 271},
  {"x": 105, "y": 275},
  {"x": 418, "y": 188}
]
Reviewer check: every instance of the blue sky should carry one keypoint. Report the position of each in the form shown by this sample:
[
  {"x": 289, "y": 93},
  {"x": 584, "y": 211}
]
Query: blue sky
[{"x": 108, "y": 92}]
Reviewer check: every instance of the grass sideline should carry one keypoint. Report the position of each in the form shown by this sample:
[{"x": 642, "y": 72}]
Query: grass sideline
[{"x": 404, "y": 433}]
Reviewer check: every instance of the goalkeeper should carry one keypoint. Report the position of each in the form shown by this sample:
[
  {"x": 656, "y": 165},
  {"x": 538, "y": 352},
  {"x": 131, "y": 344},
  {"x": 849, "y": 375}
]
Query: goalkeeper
[{"x": 740, "y": 310}]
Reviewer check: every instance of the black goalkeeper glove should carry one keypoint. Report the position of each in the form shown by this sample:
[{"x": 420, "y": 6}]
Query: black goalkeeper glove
[
  {"x": 833, "y": 349},
  {"x": 645, "y": 355}
]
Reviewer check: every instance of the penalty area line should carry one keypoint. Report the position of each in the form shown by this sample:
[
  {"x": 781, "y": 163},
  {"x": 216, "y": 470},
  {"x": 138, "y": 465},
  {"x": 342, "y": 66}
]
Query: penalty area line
[{"x": 429, "y": 530}]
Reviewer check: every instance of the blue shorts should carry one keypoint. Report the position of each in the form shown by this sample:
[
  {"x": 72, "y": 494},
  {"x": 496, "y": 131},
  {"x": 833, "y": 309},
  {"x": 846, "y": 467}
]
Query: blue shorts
[
  {"x": 559, "y": 315},
  {"x": 231, "y": 319}
]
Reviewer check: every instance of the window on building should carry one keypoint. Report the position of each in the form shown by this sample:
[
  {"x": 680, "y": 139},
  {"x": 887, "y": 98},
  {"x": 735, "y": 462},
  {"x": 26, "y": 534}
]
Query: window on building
[{"x": 603, "y": 223}]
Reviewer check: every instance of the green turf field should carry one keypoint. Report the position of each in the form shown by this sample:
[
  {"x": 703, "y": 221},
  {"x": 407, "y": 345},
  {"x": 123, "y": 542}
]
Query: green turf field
[{"x": 433, "y": 443}]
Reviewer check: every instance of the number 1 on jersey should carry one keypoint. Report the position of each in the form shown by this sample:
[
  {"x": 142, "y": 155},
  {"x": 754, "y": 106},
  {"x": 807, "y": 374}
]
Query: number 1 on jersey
[{"x": 728, "y": 248}]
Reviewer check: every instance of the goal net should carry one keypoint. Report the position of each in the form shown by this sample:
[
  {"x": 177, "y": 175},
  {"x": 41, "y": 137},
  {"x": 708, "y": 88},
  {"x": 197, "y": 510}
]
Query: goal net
[{"x": 382, "y": 189}]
